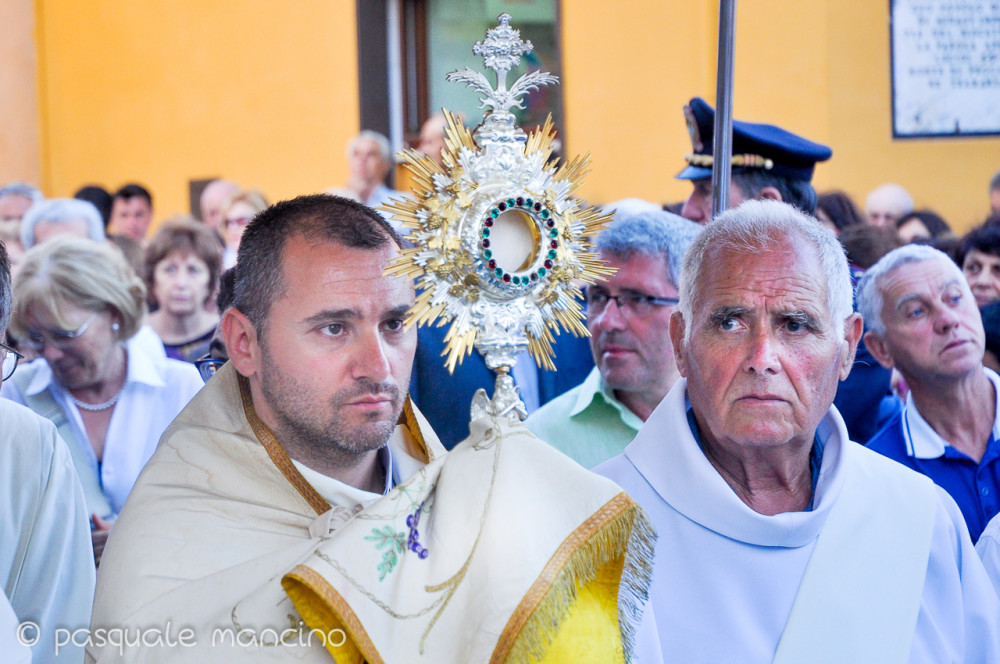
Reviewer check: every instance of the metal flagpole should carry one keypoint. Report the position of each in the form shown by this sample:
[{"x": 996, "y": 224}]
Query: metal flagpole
[{"x": 722, "y": 148}]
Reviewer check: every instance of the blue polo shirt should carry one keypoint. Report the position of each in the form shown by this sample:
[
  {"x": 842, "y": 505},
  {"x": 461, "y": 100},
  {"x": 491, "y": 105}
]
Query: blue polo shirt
[{"x": 910, "y": 440}]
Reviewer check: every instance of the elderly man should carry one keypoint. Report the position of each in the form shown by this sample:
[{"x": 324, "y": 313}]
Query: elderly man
[
  {"x": 768, "y": 163},
  {"x": 780, "y": 539},
  {"x": 887, "y": 204},
  {"x": 627, "y": 316},
  {"x": 923, "y": 321},
  {"x": 46, "y": 563},
  {"x": 300, "y": 484},
  {"x": 213, "y": 196},
  {"x": 369, "y": 158},
  {"x": 15, "y": 199},
  {"x": 131, "y": 212}
]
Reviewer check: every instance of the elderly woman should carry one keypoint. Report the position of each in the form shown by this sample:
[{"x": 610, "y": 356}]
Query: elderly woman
[
  {"x": 59, "y": 216},
  {"x": 77, "y": 303},
  {"x": 237, "y": 212},
  {"x": 183, "y": 261},
  {"x": 980, "y": 261}
]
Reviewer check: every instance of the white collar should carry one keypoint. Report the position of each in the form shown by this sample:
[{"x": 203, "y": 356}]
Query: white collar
[
  {"x": 922, "y": 441},
  {"x": 667, "y": 455}
]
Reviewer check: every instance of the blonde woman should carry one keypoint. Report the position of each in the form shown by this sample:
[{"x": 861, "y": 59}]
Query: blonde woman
[{"x": 77, "y": 304}]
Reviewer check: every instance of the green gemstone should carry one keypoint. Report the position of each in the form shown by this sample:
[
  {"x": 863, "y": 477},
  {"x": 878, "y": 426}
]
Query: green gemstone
[
  {"x": 545, "y": 214},
  {"x": 516, "y": 281},
  {"x": 529, "y": 203},
  {"x": 552, "y": 253},
  {"x": 494, "y": 213},
  {"x": 511, "y": 202},
  {"x": 553, "y": 233},
  {"x": 498, "y": 271},
  {"x": 541, "y": 272},
  {"x": 486, "y": 232},
  {"x": 488, "y": 253}
]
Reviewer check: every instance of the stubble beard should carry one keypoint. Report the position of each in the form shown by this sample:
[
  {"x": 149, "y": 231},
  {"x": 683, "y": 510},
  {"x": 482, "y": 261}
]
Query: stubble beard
[{"x": 301, "y": 422}]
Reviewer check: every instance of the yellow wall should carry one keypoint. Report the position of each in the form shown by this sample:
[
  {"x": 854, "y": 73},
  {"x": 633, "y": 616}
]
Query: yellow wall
[
  {"x": 817, "y": 68},
  {"x": 20, "y": 155},
  {"x": 165, "y": 91},
  {"x": 265, "y": 92}
]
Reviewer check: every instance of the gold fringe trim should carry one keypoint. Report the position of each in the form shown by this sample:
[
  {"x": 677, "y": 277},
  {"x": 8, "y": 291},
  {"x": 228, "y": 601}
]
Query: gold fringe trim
[
  {"x": 279, "y": 456},
  {"x": 619, "y": 529}
]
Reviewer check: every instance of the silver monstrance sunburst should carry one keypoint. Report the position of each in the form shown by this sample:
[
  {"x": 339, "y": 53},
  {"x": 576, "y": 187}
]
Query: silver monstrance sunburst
[{"x": 498, "y": 241}]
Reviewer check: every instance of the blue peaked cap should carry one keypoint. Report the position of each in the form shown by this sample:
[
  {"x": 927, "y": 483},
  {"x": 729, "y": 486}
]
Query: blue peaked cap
[{"x": 758, "y": 146}]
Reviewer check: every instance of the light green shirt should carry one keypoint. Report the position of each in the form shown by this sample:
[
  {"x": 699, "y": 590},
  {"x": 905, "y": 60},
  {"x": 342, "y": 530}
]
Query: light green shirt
[{"x": 587, "y": 424}]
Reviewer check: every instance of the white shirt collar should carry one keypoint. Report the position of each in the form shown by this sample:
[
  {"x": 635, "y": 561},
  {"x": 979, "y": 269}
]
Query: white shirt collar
[{"x": 922, "y": 441}]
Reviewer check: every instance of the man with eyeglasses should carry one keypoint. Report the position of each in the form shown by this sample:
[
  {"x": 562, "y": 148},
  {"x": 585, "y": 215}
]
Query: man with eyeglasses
[
  {"x": 46, "y": 561},
  {"x": 627, "y": 316}
]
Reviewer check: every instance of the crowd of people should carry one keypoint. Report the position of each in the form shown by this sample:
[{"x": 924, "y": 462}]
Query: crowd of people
[{"x": 797, "y": 399}]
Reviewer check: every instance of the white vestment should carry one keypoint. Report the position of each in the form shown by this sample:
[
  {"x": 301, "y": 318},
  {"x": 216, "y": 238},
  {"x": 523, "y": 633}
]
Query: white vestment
[
  {"x": 725, "y": 578},
  {"x": 46, "y": 556},
  {"x": 526, "y": 546}
]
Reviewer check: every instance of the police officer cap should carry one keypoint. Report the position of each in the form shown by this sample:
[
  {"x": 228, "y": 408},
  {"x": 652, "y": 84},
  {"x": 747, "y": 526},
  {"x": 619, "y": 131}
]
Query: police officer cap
[{"x": 757, "y": 146}]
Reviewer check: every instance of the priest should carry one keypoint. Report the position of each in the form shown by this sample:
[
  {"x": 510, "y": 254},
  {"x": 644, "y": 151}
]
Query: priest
[{"x": 780, "y": 539}]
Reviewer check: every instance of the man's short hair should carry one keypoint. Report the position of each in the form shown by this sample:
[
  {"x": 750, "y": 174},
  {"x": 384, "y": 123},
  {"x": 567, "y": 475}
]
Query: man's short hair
[
  {"x": 759, "y": 225},
  {"x": 99, "y": 197},
  {"x": 995, "y": 182},
  {"x": 189, "y": 237},
  {"x": 652, "y": 233},
  {"x": 132, "y": 190},
  {"x": 799, "y": 193},
  {"x": 6, "y": 295},
  {"x": 260, "y": 275},
  {"x": 22, "y": 189},
  {"x": 58, "y": 211},
  {"x": 384, "y": 148},
  {"x": 869, "y": 296}
]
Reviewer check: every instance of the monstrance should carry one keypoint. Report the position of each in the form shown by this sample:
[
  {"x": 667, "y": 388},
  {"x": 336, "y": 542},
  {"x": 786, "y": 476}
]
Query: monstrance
[{"x": 499, "y": 244}]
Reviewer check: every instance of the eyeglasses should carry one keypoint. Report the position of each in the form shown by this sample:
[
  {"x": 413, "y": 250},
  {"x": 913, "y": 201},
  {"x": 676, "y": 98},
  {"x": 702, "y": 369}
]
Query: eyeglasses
[
  {"x": 57, "y": 338},
  {"x": 207, "y": 366},
  {"x": 631, "y": 305},
  {"x": 10, "y": 359}
]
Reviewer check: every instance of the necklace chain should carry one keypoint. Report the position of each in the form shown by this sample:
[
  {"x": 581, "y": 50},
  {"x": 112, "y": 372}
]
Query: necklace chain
[{"x": 104, "y": 405}]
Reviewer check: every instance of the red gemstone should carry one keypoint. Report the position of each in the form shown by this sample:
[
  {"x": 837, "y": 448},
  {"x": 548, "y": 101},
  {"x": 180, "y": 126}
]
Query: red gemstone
[
  {"x": 486, "y": 243},
  {"x": 488, "y": 223},
  {"x": 506, "y": 277},
  {"x": 492, "y": 264},
  {"x": 553, "y": 244},
  {"x": 548, "y": 264}
]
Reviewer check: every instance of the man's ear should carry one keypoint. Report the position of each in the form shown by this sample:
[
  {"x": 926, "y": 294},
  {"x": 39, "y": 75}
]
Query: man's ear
[
  {"x": 770, "y": 194},
  {"x": 879, "y": 349},
  {"x": 241, "y": 341},
  {"x": 676, "y": 330},
  {"x": 854, "y": 327}
]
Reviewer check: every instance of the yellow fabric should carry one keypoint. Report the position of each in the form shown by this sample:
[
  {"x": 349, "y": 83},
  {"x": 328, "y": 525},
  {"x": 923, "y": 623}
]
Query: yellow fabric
[{"x": 589, "y": 632}]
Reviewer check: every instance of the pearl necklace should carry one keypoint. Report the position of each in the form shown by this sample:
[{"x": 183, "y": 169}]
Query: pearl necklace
[{"x": 104, "y": 405}]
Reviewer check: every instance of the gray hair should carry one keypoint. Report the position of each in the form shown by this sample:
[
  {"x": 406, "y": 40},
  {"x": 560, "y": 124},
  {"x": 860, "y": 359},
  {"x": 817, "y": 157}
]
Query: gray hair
[
  {"x": 654, "y": 233},
  {"x": 384, "y": 148},
  {"x": 22, "y": 189},
  {"x": 6, "y": 292},
  {"x": 761, "y": 224},
  {"x": 61, "y": 210},
  {"x": 869, "y": 296}
]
